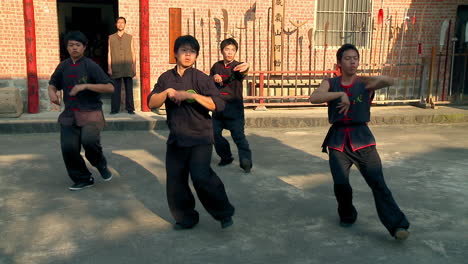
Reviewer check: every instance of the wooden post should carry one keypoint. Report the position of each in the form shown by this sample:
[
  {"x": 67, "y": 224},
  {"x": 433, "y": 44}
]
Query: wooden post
[
  {"x": 446, "y": 60},
  {"x": 144, "y": 54},
  {"x": 431, "y": 66},
  {"x": 31, "y": 63},
  {"x": 277, "y": 38},
  {"x": 175, "y": 30},
  {"x": 261, "y": 86}
]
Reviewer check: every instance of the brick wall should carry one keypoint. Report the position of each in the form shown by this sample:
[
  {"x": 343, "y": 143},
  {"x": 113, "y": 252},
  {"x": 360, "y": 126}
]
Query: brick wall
[{"x": 12, "y": 52}]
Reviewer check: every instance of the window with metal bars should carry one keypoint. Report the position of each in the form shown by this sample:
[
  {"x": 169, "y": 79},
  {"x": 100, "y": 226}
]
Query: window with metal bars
[{"x": 343, "y": 21}]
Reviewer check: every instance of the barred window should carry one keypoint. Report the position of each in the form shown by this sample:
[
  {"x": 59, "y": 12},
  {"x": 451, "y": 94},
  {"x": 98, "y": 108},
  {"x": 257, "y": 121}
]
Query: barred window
[{"x": 349, "y": 21}]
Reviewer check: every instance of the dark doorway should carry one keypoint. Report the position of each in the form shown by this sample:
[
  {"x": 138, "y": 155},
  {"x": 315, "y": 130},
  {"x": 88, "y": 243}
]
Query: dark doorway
[
  {"x": 95, "y": 18},
  {"x": 460, "y": 70}
]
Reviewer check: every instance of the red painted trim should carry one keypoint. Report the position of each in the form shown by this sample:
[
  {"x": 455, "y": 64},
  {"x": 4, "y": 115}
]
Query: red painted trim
[
  {"x": 366, "y": 146},
  {"x": 340, "y": 150},
  {"x": 350, "y": 142},
  {"x": 31, "y": 63},
  {"x": 353, "y": 148}
]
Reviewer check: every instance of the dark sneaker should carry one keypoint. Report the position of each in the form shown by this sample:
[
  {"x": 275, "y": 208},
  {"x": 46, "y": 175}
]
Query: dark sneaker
[
  {"x": 114, "y": 113},
  {"x": 226, "y": 222},
  {"x": 105, "y": 173},
  {"x": 225, "y": 162},
  {"x": 401, "y": 234},
  {"x": 246, "y": 165},
  {"x": 81, "y": 185},
  {"x": 346, "y": 224},
  {"x": 131, "y": 112},
  {"x": 347, "y": 216},
  {"x": 179, "y": 226}
]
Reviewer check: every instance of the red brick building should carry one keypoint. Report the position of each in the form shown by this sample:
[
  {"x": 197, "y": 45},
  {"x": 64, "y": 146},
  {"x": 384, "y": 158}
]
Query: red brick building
[{"x": 349, "y": 21}]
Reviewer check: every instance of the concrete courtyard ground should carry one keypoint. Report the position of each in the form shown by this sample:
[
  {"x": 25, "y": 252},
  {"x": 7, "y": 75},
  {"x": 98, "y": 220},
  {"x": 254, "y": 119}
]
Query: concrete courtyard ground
[{"x": 285, "y": 208}]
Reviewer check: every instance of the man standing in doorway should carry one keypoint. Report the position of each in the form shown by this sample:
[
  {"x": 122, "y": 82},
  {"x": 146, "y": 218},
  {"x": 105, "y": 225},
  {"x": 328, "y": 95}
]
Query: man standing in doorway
[{"x": 122, "y": 66}]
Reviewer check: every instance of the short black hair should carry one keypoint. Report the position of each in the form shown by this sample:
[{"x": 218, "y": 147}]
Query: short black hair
[
  {"x": 76, "y": 36},
  {"x": 117, "y": 19},
  {"x": 229, "y": 41},
  {"x": 345, "y": 47},
  {"x": 187, "y": 40}
]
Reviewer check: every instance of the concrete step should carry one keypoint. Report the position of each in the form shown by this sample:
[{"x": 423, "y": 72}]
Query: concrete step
[{"x": 272, "y": 118}]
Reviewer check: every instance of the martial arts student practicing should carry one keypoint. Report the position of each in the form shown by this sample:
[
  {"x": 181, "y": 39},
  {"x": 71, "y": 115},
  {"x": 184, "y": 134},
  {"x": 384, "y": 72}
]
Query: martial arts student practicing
[
  {"x": 350, "y": 141},
  {"x": 189, "y": 95},
  {"x": 82, "y": 82},
  {"x": 228, "y": 75}
]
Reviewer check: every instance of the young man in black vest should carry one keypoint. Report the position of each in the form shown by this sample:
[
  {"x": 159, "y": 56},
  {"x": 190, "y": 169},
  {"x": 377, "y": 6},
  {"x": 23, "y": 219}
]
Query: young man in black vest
[
  {"x": 82, "y": 82},
  {"x": 189, "y": 95},
  {"x": 350, "y": 141},
  {"x": 228, "y": 75}
]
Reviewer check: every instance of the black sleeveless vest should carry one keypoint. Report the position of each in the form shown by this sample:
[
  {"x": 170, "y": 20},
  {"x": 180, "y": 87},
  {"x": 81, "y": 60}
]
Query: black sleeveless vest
[{"x": 351, "y": 127}]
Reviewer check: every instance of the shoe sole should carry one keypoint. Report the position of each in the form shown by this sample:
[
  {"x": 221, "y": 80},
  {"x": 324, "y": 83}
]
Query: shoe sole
[
  {"x": 227, "y": 224},
  {"x": 77, "y": 189},
  {"x": 179, "y": 227},
  {"x": 225, "y": 164},
  {"x": 344, "y": 224},
  {"x": 108, "y": 179},
  {"x": 246, "y": 165},
  {"x": 402, "y": 235}
]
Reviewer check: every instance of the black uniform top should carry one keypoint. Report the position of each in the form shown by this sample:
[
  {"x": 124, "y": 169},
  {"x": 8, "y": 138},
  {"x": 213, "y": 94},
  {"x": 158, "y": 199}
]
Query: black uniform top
[
  {"x": 189, "y": 123},
  {"x": 231, "y": 88},
  {"x": 353, "y": 125},
  {"x": 82, "y": 107}
]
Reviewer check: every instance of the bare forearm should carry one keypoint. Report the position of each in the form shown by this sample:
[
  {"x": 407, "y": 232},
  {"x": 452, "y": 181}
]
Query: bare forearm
[
  {"x": 385, "y": 81},
  {"x": 157, "y": 100},
  {"x": 101, "y": 88},
  {"x": 205, "y": 101},
  {"x": 377, "y": 82},
  {"x": 54, "y": 98},
  {"x": 52, "y": 89},
  {"x": 322, "y": 97}
]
